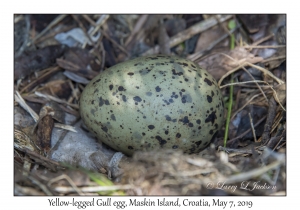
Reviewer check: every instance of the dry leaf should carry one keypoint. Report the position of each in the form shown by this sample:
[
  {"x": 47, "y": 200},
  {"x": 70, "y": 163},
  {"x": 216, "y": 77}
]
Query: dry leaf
[
  {"x": 220, "y": 63},
  {"x": 208, "y": 37}
]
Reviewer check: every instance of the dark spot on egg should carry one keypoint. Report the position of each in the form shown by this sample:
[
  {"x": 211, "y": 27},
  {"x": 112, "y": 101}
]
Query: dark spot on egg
[
  {"x": 106, "y": 102},
  {"x": 158, "y": 89},
  {"x": 208, "y": 81},
  {"x": 198, "y": 143},
  {"x": 168, "y": 118},
  {"x": 98, "y": 80},
  {"x": 211, "y": 118},
  {"x": 161, "y": 140},
  {"x": 101, "y": 102},
  {"x": 121, "y": 88},
  {"x": 113, "y": 117},
  {"x": 104, "y": 128},
  {"x": 209, "y": 99},
  {"x": 137, "y": 99},
  {"x": 185, "y": 120},
  {"x": 153, "y": 58},
  {"x": 177, "y": 73},
  {"x": 151, "y": 127},
  {"x": 124, "y": 98}
]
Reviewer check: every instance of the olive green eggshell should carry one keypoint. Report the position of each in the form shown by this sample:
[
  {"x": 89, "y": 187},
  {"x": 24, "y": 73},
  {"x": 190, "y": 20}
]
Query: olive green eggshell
[{"x": 153, "y": 102}]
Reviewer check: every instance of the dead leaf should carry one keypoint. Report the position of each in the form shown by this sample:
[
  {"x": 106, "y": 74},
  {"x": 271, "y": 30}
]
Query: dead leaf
[
  {"x": 220, "y": 63},
  {"x": 207, "y": 37}
]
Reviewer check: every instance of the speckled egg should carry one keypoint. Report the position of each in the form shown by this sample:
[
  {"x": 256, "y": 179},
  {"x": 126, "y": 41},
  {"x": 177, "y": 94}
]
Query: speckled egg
[{"x": 150, "y": 102}]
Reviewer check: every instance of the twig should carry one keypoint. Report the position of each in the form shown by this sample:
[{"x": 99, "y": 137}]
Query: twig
[
  {"x": 61, "y": 137},
  {"x": 75, "y": 17},
  {"x": 254, "y": 66},
  {"x": 49, "y": 97},
  {"x": 254, "y": 173},
  {"x": 252, "y": 127},
  {"x": 23, "y": 104},
  {"x": 93, "y": 188},
  {"x": 243, "y": 134},
  {"x": 40, "y": 185},
  {"x": 65, "y": 127},
  {"x": 102, "y": 19},
  {"x": 255, "y": 83},
  {"x": 89, "y": 20},
  {"x": 196, "y": 172},
  {"x": 52, "y": 70},
  {"x": 231, "y": 150},
  {"x": 275, "y": 58},
  {"x": 71, "y": 182},
  {"x": 275, "y": 94},
  {"x": 277, "y": 120},
  {"x": 54, "y": 22},
  {"x": 263, "y": 40},
  {"x": 188, "y": 33},
  {"x": 53, "y": 33},
  {"x": 280, "y": 139},
  {"x": 136, "y": 28},
  {"x": 270, "y": 119},
  {"x": 238, "y": 83},
  {"x": 115, "y": 43},
  {"x": 264, "y": 46}
]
